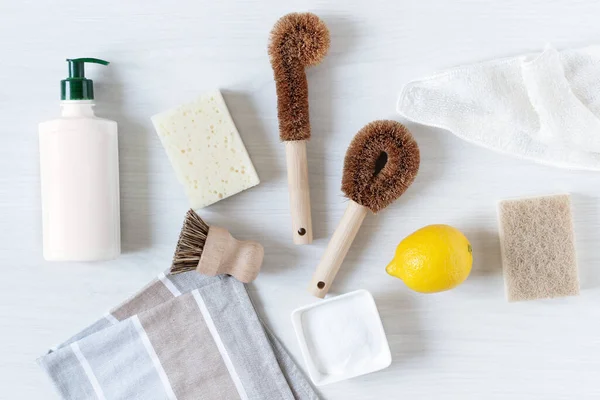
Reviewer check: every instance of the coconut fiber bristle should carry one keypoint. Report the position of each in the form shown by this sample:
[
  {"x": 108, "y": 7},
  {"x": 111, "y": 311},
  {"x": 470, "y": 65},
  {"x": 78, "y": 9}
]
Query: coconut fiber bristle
[
  {"x": 381, "y": 163},
  {"x": 298, "y": 40},
  {"x": 190, "y": 244}
]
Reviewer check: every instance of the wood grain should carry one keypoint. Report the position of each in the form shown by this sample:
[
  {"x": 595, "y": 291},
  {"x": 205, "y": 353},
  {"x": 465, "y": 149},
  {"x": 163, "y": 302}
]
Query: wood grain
[
  {"x": 299, "y": 189},
  {"x": 336, "y": 251}
]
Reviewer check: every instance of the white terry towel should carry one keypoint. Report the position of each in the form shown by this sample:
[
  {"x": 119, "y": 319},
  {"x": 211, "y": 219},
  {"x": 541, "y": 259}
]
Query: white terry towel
[{"x": 543, "y": 107}]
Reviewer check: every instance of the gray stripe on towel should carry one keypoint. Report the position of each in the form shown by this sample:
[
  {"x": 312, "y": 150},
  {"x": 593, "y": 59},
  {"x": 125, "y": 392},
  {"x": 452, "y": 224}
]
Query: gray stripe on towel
[
  {"x": 122, "y": 364},
  {"x": 67, "y": 375},
  {"x": 245, "y": 340}
]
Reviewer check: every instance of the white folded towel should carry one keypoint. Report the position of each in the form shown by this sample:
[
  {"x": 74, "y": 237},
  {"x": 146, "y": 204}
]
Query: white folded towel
[{"x": 543, "y": 107}]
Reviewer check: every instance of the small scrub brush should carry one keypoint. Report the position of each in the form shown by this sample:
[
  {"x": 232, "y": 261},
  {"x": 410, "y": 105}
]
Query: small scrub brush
[
  {"x": 213, "y": 251},
  {"x": 381, "y": 163},
  {"x": 298, "y": 40}
]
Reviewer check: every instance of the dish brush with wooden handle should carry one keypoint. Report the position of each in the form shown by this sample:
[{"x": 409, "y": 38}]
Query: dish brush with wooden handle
[
  {"x": 213, "y": 251},
  {"x": 381, "y": 163},
  {"x": 298, "y": 40}
]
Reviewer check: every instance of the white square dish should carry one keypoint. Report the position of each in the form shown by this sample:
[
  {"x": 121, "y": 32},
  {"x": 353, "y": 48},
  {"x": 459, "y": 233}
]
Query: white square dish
[{"x": 341, "y": 338}]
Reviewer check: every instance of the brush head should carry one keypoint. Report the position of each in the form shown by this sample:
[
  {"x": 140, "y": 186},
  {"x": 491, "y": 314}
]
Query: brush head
[
  {"x": 298, "y": 40},
  {"x": 381, "y": 163},
  {"x": 190, "y": 244}
]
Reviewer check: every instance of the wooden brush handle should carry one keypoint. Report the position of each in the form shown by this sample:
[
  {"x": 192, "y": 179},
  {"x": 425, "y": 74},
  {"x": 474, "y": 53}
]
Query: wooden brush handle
[
  {"x": 337, "y": 249},
  {"x": 297, "y": 168},
  {"x": 223, "y": 254}
]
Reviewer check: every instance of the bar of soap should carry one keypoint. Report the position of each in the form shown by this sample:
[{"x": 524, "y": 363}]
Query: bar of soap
[{"x": 205, "y": 150}]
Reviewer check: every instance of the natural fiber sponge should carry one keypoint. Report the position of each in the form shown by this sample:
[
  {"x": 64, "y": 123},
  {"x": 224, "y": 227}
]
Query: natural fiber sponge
[
  {"x": 205, "y": 150},
  {"x": 538, "y": 249}
]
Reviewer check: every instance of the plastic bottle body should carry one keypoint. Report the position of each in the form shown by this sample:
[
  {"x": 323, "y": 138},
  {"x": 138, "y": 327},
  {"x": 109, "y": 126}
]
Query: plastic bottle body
[{"x": 79, "y": 162}]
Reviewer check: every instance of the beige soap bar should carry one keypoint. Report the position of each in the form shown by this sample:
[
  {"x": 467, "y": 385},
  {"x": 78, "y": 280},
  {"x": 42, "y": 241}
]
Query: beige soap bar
[{"x": 205, "y": 150}]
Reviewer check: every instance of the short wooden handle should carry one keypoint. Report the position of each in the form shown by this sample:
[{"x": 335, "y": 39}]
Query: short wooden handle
[
  {"x": 297, "y": 168},
  {"x": 337, "y": 249},
  {"x": 223, "y": 254}
]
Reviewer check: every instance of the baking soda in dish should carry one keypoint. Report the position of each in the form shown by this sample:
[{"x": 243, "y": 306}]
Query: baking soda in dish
[{"x": 342, "y": 337}]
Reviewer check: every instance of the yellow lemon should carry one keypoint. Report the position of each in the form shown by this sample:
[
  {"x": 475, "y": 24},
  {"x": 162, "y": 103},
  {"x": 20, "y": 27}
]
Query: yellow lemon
[{"x": 433, "y": 259}]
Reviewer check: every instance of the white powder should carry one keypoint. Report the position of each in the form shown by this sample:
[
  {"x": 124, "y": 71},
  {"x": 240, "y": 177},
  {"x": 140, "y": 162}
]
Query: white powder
[{"x": 344, "y": 336}]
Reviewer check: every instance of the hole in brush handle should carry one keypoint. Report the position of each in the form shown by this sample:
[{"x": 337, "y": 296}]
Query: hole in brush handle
[
  {"x": 321, "y": 284},
  {"x": 301, "y": 231}
]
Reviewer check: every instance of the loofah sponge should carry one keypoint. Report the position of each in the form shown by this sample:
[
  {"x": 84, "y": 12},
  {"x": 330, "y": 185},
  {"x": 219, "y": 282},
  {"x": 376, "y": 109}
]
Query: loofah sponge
[{"x": 538, "y": 250}]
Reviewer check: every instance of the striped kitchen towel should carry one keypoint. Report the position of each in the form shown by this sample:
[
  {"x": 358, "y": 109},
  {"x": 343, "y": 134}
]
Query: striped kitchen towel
[{"x": 184, "y": 336}]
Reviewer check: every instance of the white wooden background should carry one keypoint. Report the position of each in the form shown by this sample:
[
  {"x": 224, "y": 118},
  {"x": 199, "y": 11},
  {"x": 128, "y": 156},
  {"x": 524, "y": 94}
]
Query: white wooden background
[{"x": 468, "y": 343}]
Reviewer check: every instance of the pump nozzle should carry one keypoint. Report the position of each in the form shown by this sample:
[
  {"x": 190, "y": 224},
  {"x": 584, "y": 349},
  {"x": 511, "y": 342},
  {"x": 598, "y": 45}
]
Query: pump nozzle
[{"x": 77, "y": 86}]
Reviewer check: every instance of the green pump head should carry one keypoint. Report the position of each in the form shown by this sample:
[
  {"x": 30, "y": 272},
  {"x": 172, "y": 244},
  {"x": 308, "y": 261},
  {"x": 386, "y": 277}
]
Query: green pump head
[{"x": 77, "y": 86}]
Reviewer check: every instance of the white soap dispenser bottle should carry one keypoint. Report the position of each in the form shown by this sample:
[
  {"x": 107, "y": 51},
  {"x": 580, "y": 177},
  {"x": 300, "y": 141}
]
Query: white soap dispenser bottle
[{"x": 79, "y": 163}]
